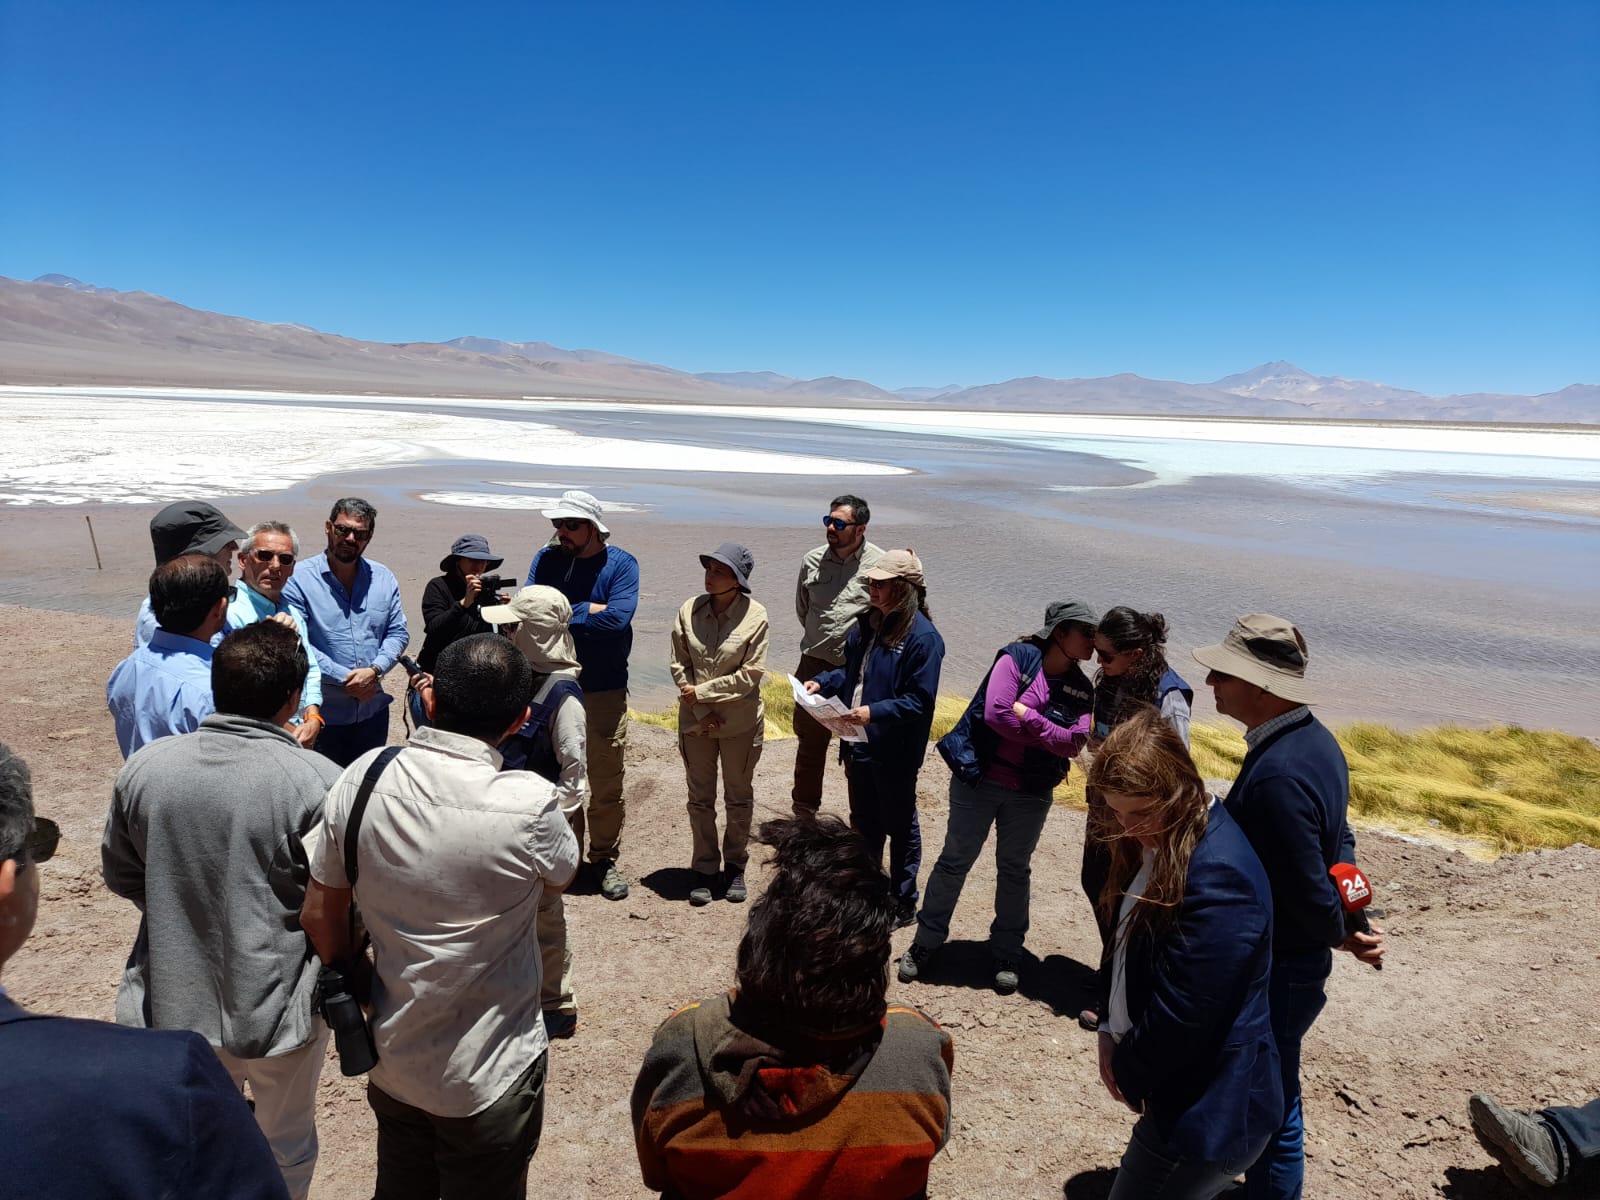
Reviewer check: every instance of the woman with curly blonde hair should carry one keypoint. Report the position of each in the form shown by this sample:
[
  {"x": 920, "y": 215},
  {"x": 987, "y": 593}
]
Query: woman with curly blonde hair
[{"x": 1186, "y": 1041}]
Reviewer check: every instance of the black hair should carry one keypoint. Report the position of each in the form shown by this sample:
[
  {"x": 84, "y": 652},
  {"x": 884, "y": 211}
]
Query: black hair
[
  {"x": 859, "y": 512},
  {"x": 480, "y": 685},
  {"x": 814, "y": 958},
  {"x": 16, "y": 803},
  {"x": 257, "y": 670},
  {"x": 1128, "y": 629},
  {"x": 185, "y": 589},
  {"x": 355, "y": 506}
]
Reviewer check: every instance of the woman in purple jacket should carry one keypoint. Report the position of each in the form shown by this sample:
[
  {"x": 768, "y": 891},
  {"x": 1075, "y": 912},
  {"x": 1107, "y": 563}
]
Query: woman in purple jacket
[{"x": 1007, "y": 755}]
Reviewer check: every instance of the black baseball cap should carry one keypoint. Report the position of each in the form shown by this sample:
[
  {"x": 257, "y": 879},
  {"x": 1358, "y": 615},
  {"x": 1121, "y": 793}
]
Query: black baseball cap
[{"x": 190, "y": 527}]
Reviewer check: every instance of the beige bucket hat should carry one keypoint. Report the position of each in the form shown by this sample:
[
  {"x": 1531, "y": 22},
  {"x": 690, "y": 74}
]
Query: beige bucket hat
[
  {"x": 542, "y": 634},
  {"x": 1266, "y": 651}
]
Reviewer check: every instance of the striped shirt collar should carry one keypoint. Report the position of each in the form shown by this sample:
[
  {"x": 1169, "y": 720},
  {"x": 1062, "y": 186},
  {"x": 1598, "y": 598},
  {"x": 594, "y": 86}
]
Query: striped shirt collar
[{"x": 1254, "y": 737}]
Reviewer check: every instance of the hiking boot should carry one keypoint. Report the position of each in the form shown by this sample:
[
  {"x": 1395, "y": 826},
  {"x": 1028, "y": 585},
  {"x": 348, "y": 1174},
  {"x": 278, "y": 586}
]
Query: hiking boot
[
  {"x": 1005, "y": 976},
  {"x": 701, "y": 894},
  {"x": 736, "y": 889},
  {"x": 913, "y": 961},
  {"x": 612, "y": 885},
  {"x": 559, "y": 1024},
  {"x": 906, "y": 914},
  {"x": 1519, "y": 1140}
]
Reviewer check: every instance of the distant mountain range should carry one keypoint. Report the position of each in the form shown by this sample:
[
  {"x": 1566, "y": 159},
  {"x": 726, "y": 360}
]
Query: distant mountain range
[{"x": 59, "y": 330}]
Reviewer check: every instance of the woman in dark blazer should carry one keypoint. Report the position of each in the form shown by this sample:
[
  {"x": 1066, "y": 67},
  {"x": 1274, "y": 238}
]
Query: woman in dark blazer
[{"x": 1186, "y": 1037}]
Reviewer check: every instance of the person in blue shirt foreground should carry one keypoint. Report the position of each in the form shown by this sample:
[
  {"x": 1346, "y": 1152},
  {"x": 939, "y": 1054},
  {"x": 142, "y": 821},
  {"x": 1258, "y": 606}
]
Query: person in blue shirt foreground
[
  {"x": 351, "y": 610},
  {"x": 890, "y": 680},
  {"x": 1186, "y": 1041},
  {"x": 164, "y": 687},
  {"x": 601, "y": 583},
  {"x": 1290, "y": 798}
]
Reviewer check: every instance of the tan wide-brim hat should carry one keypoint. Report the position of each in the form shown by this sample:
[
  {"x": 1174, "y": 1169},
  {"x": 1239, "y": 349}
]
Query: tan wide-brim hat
[
  {"x": 1266, "y": 651},
  {"x": 542, "y": 634}
]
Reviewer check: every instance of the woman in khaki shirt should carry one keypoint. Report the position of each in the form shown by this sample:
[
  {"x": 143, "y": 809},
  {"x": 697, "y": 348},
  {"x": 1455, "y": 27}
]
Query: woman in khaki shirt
[{"x": 719, "y": 653}]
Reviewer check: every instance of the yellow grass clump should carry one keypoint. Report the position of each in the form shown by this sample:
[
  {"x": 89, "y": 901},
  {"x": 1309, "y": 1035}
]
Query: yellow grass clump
[{"x": 1514, "y": 789}]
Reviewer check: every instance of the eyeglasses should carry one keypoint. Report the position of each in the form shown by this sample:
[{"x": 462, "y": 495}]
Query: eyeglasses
[
  {"x": 40, "y": 845},
  {"x": 283, "y": 558},
  {"x": 570, "y": 524},
  {"x": 350, "y": 531},
  {"x": 837, "y": 525}
]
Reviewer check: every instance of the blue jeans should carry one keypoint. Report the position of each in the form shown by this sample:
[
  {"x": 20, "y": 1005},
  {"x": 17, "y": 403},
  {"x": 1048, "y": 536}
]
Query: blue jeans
[
  {"x": 1579, "y": 1129},
  {"x": 1152, "y": 1169},
  {"x": 883, "y": 807},
  {"x": 1017, "y": 818},
  {"x": 1297, "y": 993}
]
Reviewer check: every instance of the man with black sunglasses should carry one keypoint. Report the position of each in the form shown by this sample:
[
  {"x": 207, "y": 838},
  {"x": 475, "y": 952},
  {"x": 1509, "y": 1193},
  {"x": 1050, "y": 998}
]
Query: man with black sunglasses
[
  {"x": 601, "y": 583},
  {"x": 164, "y": 1118},
  {"x": 1290, "y": 799},
  {"x": 830, "y": 594},
  {"x": 351, "y": 610},
  {"x": 266, "y": 560}
]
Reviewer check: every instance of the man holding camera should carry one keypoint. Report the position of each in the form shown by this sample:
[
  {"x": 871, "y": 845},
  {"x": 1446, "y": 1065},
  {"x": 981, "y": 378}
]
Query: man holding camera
[
  {"x": 452, "y": 858},
  {"x": 204, "y": 837}
]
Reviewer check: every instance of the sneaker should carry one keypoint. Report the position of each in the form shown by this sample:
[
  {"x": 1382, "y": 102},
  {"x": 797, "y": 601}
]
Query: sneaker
[
  {"x": 913, "y": 961},
  {"x": 612, "y": 885},
  {"x": 906, "y": 914},
  {"x": 736, "y": 889},
  {"x": 1005, "y": 976},
  {"x": 1519, "y": 1140},
  {"x": 559, "y": 1024},
  {"x": 701, "y": 894}
]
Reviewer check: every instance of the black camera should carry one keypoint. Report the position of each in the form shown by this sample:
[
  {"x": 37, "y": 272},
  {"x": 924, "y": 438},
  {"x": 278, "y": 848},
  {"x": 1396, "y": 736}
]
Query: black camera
[
  {"x": 492, "y": 585},
  {"x": 352, "y": 1036}
]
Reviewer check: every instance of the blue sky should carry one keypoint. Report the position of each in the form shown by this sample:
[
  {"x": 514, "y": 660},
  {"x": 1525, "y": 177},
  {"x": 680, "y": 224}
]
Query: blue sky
[{"x": 910, "y": 193}]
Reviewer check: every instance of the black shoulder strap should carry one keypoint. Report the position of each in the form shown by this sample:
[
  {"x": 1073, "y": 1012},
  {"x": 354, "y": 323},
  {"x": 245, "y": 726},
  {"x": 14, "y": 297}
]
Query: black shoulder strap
[{"x": 358, "y": 810}]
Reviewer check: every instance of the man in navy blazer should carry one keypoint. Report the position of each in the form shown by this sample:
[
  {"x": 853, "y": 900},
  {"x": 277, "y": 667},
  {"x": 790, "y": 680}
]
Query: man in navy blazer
[
  {"x": 93, "y": 1109},
  {"x": 1290, "y": 798}
]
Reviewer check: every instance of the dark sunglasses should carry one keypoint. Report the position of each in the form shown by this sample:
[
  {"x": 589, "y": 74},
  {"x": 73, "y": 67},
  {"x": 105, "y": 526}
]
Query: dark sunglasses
[
  {"x": 266, "y": 556},
  {"x": 351, "y": 531},
  {"x": 838, "y": 525},
  {"x": 570, "y": 524},
  {"x": 40, "y": 845}
]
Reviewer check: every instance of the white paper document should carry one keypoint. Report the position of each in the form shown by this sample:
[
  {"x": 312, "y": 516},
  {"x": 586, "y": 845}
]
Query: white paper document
[{"x": 828, "y": 712}]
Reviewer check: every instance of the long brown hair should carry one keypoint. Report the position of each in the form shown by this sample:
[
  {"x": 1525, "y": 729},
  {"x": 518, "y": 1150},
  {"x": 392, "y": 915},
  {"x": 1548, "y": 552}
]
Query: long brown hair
[
  {"x": 908, "y": 600},
  {"x": 1144, "y": 758}
]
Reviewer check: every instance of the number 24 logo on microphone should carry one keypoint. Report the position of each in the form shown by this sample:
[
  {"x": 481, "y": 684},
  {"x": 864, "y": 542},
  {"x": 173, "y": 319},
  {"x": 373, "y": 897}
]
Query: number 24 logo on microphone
[{"x": 1355, "y": 887}]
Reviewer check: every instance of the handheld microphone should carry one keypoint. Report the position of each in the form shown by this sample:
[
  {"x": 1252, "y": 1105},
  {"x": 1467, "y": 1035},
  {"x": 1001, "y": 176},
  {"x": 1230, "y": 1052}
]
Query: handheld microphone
[{"x": 1355, "y": 893}]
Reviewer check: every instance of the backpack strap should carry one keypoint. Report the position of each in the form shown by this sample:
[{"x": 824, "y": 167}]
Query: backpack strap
[{"x": 358, "y": 809}]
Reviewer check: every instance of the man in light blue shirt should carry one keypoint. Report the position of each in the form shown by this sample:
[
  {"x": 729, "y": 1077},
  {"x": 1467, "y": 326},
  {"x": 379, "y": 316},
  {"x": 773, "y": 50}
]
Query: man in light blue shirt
[
  {"x": 266, "y": 560},
  {"x": 187, "y": 527},
  {"x": 351, "y": 610},
  {"x": 164, "y": 687}
]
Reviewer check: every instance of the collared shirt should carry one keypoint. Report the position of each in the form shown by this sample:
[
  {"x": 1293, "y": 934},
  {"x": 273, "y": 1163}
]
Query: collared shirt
[
  {"x": 829, "y": 594},
  {"x": 724, "y": 657},
  {"x": 248, "y": 607},
  {"x": 454, "y": 855},
  {"x": 1252, "y": 737},
  {"x": 145, "y": 626},
  {"x": 364, "y": 627},
  {"x": 161, "y": 688}
]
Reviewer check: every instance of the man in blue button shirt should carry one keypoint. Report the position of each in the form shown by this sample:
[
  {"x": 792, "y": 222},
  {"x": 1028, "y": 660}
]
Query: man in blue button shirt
[
  {"x": 350, "y": 607},
  {"x": 266, "y": 560},
  {"x": 164, "y": 686},
  {"x": 187, "y": 527}
]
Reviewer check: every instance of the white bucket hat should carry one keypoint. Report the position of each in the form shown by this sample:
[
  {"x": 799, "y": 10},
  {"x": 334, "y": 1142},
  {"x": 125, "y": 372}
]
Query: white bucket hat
[{"x": 581, "y": 505}]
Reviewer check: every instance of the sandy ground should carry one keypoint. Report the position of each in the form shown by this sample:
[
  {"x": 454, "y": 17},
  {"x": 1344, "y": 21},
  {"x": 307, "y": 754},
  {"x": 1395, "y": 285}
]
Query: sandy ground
[{"x": 1490, "y": 982}]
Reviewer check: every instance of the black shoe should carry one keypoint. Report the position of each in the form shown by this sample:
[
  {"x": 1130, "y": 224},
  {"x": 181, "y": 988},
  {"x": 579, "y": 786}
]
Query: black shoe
[
  {"x": 906, "y": 914},
  {"x": 702, "y": 892},
  {"x": 612, "y": 885},
  {"x": 1005, "y": 976},
  {"x": 558, "y": 1024},
  {"x": 736, "y": 890},
  {"x": 1523, "y": 1141},
  {"x": 914, "y": 961}
]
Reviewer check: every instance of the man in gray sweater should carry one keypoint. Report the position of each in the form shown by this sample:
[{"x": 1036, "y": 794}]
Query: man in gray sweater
[{"x": 204, "y": 837}]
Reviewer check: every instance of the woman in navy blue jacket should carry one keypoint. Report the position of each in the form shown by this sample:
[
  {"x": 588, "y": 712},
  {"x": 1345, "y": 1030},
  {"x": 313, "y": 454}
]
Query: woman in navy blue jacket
[
  {"x": 1186, "y": 1040},
  {"x": 890, "y": 679}
]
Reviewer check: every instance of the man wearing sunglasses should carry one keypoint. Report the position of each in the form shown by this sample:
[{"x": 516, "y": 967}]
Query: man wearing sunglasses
[
  {"x": 167, "y": 1120},
  {"x": 266, "y": 560},
  {"x": 830, "y": 594},
  {"x": 351, "y": 610},
  {"x": 601, "y": 583}
]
